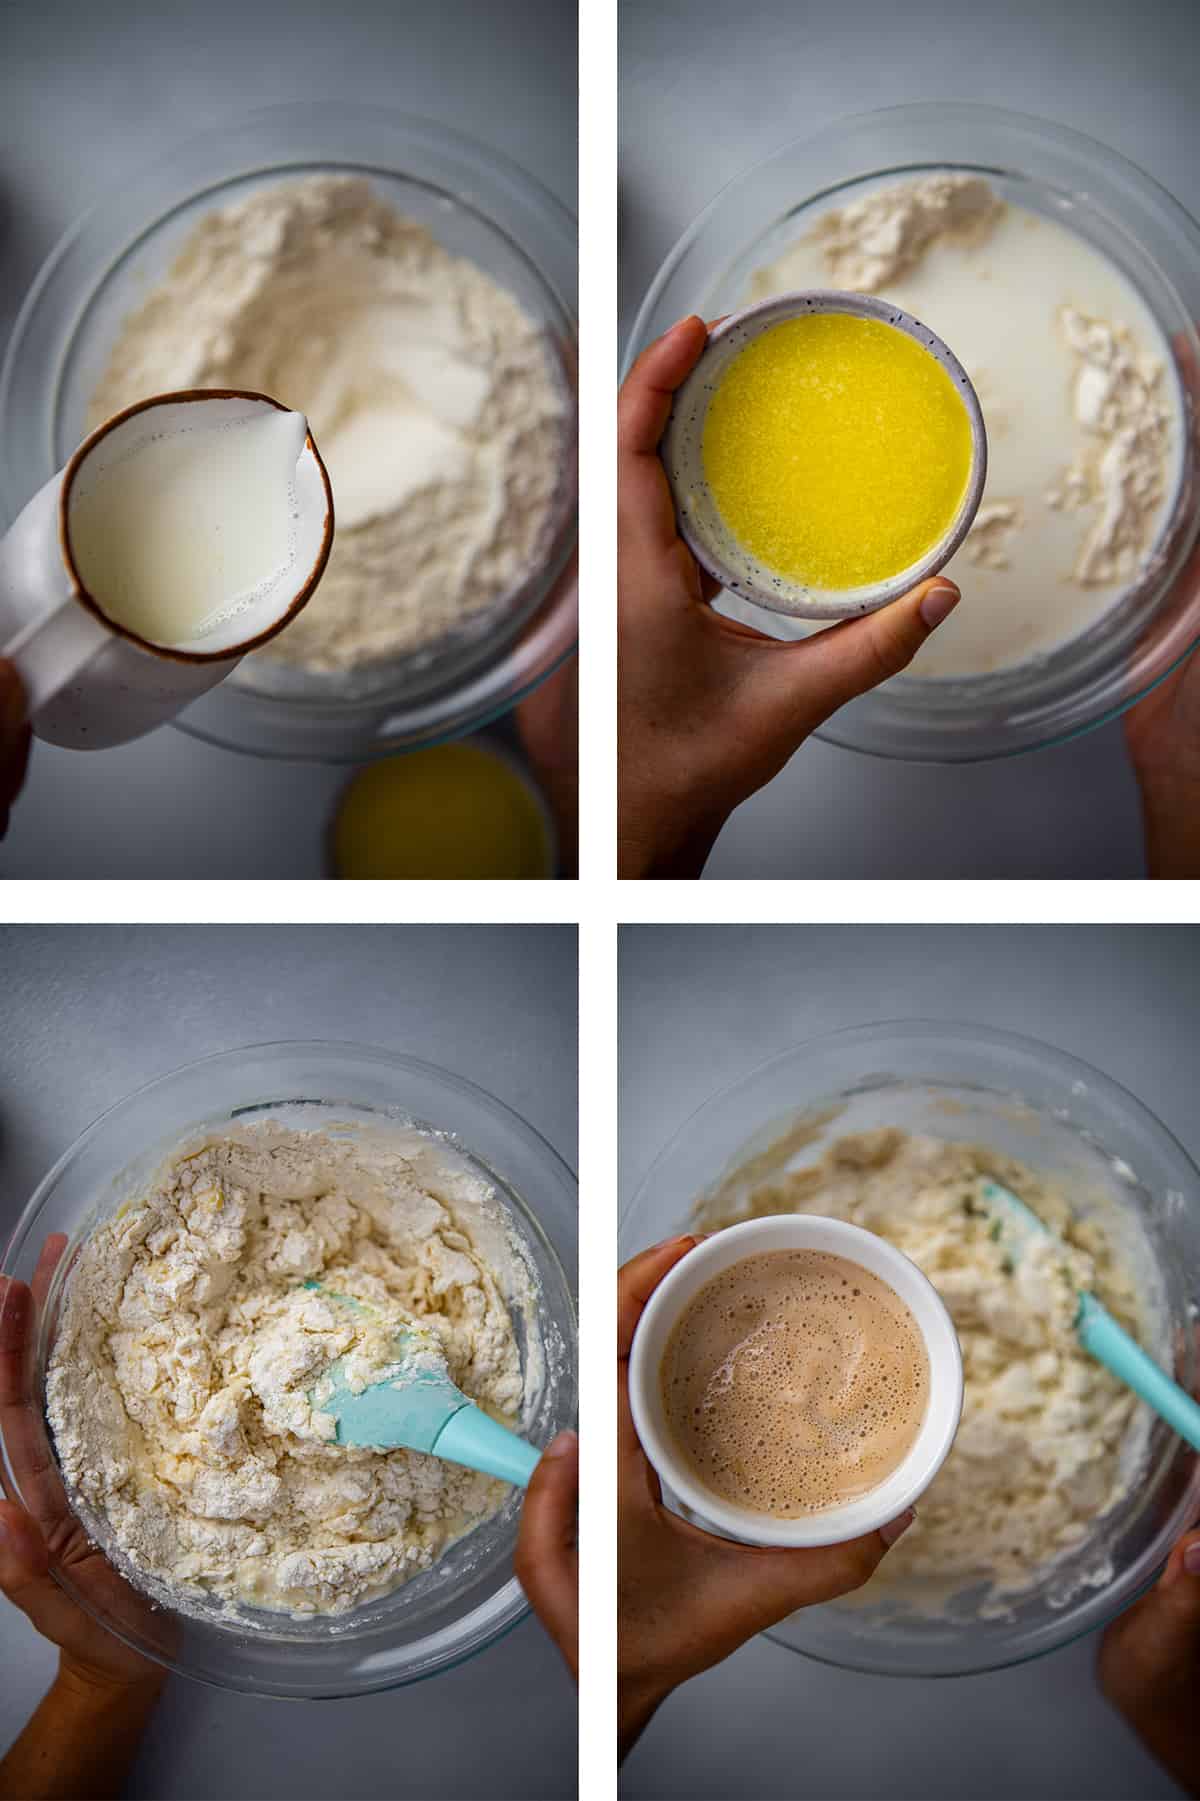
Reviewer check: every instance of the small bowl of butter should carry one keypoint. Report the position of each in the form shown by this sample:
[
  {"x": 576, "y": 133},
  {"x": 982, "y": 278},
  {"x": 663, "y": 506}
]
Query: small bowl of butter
[{"x": 825, "y": 455}]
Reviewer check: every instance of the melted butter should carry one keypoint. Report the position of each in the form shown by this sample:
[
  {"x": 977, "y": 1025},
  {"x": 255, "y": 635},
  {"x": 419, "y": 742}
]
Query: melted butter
[
  {"x": 453, "y": 812},
  {"x": 837, "y": 450}
]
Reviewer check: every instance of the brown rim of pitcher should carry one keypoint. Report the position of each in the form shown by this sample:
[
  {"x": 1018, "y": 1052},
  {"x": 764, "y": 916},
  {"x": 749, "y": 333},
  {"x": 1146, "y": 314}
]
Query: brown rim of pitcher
[{"x": 123, "y": 631}]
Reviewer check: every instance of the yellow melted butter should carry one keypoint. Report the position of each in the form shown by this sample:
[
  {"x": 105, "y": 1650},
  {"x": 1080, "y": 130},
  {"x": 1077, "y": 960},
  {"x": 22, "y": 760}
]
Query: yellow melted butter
[
  {"x": 452, "y": 812},
  {"x": 837, "y": 450}
]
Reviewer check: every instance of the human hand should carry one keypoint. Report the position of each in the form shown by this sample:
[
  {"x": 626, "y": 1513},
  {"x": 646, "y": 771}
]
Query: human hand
[
  {"x": 1162, "y": 731},
  {"x": 1149, "y": 1664},
  {"x": 14, "y": 740},
  {"x": 44, "y": 1535},
  {"x": 1163, "y": 735},
  {"x": 548, "y": 724},
  {"x": 710, "y": 710},
  {"x": 686, "y": 1598},
  {"x": 547, "y": 1556}
]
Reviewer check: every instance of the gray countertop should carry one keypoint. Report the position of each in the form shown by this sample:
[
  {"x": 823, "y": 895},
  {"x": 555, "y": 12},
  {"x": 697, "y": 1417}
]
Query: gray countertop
[
  {"x": 700, "y": 1007},
  {"x": 707, "y": 91},
  {"x": 87, "y": 93},
  {"x": 89, "y": 1014}
]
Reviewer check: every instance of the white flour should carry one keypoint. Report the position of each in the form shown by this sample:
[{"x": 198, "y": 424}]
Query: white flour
[
  {"x": 1039, "y": 1456},
  {"x": 869, "y": 244},
  {"x": 1120, "y": 473},
  {"x": 179, "y": 1385},
  {"x": 433, "y": 398}
]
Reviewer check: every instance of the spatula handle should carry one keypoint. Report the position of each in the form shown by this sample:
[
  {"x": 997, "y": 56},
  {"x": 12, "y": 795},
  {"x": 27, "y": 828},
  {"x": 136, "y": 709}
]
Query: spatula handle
[
  {"x": 472, "y": 1438},
  {"x": 1100, "y": 1334}
]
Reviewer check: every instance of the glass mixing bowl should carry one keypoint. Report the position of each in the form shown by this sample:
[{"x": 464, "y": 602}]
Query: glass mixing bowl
[
  {"x": 470, "y": 1597},
  {"x": 479, "y": 206},
  {"x": 1136, "y": 225},
  {"x": 1053, "y": 1113}
]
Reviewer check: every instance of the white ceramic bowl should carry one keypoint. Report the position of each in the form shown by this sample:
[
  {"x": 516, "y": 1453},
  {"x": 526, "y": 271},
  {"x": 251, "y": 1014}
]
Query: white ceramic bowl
[
  {"x": 700, "y": 523},
  {"x": 680, "y": 1286}
]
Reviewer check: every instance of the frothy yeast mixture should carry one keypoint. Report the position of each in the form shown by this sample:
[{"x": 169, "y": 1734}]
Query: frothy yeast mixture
[
  {"x": 181, "y": 1385},
  {"x": 795, "y": 1381}
]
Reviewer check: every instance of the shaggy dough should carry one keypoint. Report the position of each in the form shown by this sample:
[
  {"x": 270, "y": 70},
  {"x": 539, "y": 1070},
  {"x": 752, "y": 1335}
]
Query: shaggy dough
[
  {"x": 180, "y": 1382},
  {"x": 1038, "y": 1453}
]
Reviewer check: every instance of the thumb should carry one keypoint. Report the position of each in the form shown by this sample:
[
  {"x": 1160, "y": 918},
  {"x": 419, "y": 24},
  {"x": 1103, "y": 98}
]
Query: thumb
[
  {"x": 547, "y": 1558},
  {"x": 24, "y": 1561},
  {"x": 644, "y": 403},
  {"x": 847, "y": 660}
]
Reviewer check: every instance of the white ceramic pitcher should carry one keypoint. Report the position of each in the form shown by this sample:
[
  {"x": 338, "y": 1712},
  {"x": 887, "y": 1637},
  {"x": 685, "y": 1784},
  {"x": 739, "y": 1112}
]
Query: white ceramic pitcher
[{"x": 90, "y": 682}]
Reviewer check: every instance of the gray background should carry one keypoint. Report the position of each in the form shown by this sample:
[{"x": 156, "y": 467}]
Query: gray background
[
  {"x": 700, "y": 1007},
  {"x": 87, "y": 1015},
  {"x": 707, "y": 90},
  {"x": 88, "y": 92}
]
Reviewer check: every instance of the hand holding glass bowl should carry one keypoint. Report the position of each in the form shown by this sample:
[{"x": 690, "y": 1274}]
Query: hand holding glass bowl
[
  {"x": 1057, "y": 1115},
  {"x": 709, "y": 710},
  {"x": 51, "y": 1539},
  {"x": 1143, "y": 232},
  {"x": 470, "y": 1596}
]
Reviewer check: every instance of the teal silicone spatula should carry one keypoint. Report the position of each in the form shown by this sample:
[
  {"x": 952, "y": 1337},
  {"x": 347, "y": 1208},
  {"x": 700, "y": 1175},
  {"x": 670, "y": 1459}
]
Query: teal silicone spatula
[
  {"x": 419, "y": 1408},
  {"x": 1097, "y": 1330}
]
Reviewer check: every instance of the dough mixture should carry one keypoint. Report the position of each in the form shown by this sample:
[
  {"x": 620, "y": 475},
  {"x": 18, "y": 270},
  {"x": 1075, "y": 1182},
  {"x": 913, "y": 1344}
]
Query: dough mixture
[
  {"x": 180, "y": 1385},
  {"x": 1039, "y": 1452},
  {"x": 1078, "y": 391},
  {"x": 434, "y": 399}
]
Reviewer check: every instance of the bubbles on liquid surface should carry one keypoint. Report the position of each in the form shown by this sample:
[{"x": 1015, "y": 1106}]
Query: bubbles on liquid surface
[{"x": 795, "y": 1381}]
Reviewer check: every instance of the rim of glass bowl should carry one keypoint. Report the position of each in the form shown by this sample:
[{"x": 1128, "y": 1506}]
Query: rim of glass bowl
[
  {"x": 1065, "y": 1071},
  {"x": 256, "y": 1073},
  {"x": 925, "y": 720},
  {"x": 473, "y": 683}
]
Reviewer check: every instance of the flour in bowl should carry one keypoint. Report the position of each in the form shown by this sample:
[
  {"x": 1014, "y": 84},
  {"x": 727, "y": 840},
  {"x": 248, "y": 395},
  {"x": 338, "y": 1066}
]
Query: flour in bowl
[
  {"x": 180, "y": 1384},
  {"x": 1087, "y": 430},
  {"x": 435, "y": 399},
  {"x": 1043, "y": 1451}
]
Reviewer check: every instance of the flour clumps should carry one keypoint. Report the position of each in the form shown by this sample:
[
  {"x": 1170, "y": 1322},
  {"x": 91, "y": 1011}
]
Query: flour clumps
[
  {"x": 434, "y": 398},
  {"x": 1120, "y": 473},
  {"x": 987, "y": 542},
  {"x": 181, "y": 1385},
  {"x": 884, "y": 235}
]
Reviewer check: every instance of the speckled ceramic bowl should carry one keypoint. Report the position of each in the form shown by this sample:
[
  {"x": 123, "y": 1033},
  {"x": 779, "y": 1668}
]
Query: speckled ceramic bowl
[{"x": 705, "y": 532}]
